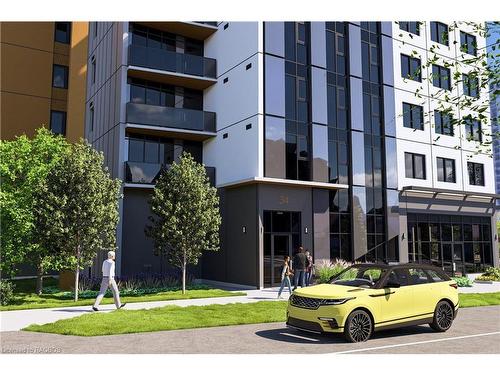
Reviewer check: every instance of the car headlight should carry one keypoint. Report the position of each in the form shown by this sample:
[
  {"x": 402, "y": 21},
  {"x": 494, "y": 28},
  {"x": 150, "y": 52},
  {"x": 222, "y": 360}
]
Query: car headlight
[{"x": 338, "y": 301}]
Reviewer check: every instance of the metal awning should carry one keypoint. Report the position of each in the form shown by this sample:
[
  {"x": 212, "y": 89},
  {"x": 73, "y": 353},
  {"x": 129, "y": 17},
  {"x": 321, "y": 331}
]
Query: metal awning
[{"x": 462, "y": 193}]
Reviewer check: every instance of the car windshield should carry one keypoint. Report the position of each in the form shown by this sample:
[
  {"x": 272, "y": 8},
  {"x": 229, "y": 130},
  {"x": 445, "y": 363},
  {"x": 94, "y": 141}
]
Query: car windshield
[{"x": 363, "y": 277}]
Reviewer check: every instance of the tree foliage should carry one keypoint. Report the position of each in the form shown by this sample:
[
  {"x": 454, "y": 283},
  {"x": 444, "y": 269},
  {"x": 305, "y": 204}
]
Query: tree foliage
[
  {"x": 24, "y": 166},
  {"x": 77, "y": 208},
  {"x": 186, "y": 216}
]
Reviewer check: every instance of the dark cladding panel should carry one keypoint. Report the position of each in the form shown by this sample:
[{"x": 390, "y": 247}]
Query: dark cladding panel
[
  {"x": 318, "y": 41},
  {"x": 358, "y": 158},
  {"x": 321, "y": 220},
  {"x": 274, "y": 147},
  {"x": 320, "y": 153},
  {"x": 274, "y": 86},
  {"x": 359, "y": 221},
  {"x": 391, "y": 161}
]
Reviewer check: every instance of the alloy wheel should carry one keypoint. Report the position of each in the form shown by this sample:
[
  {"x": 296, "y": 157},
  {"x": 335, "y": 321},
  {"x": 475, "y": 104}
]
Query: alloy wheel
[
  {"x": 360, "y": 326},
  {"x": 444, "y": 316}
]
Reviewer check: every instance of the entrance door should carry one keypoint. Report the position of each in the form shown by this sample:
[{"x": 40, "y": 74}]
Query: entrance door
[{"x": 281, "y": 247}]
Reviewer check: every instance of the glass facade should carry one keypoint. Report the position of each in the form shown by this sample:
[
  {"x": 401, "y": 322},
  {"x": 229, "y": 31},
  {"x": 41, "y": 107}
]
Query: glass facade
[
  {"x": 459, "y": 244},
  {"x": 340, "y": 225}
]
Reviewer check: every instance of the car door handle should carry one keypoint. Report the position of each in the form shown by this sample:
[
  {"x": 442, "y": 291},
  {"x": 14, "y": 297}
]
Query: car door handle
[{"x": 382, "y": 294}]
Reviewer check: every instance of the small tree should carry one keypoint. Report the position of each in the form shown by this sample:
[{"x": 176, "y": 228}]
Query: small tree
[
  {"x": 24, "y": 165},
  {"x": 77, "y": 210},
  {"x": 186, "y": 217}
]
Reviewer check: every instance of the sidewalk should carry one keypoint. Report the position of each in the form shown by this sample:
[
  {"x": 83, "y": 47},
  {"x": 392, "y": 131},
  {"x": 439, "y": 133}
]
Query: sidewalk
[{"x": 16, "y": 320}]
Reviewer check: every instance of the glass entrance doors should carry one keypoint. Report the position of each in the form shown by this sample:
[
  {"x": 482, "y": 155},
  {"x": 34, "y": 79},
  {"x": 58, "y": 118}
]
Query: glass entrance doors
[{"x": 281, "y": 237}]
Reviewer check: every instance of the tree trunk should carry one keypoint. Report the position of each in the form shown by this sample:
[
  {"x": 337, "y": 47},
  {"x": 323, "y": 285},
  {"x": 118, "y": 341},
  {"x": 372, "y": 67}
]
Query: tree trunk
[
  {"x": 77, "y": 272},
  {"x": 39, "y": 278},
  {"x": 183, "y": 277}
]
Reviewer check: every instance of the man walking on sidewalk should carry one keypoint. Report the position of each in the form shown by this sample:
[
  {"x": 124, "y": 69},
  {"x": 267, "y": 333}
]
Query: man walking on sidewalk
[
  {"x": 299, "y": 267},
  {"x": 108, "y": 281}
]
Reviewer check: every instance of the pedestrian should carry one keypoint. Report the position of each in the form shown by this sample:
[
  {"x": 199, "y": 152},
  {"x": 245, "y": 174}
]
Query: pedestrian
[
  {"x": 299, "y": 268},
  {"x": 286, "y": 272},
  {"x": 309, "y": 267},
  {"x": 108, "y": 281}
]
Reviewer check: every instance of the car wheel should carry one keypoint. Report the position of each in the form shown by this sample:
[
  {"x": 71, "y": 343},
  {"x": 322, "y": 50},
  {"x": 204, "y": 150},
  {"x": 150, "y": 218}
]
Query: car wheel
[
  {"x": 443, "y": 317},
  {"x": 358, "y": 326}
]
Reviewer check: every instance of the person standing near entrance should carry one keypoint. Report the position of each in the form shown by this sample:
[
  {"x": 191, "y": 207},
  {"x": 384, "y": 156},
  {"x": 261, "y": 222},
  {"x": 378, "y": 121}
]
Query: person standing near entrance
[
  {"x": 309, "y": 267},
  {"x": 108, "y": 281},
  {"x": 286, "y": 272},
  {"x": 299, "y": 267}
]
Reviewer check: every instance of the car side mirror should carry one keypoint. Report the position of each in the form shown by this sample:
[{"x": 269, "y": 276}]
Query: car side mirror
[{"x": 392, "y": 284}]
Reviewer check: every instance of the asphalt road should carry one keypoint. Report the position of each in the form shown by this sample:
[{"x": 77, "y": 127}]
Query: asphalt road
[{"x": 475, "y": 331}]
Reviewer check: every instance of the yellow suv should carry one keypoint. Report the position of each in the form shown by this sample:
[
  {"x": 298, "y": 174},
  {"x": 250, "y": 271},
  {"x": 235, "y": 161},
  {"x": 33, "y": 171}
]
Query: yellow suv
[{"x": 365, "y": 298}]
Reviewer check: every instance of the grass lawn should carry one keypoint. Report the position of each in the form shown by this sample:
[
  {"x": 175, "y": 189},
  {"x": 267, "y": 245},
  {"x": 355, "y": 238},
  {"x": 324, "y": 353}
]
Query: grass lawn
[
  {"x": 174, "y": 317},
  {"x": 26, "y": 299}
]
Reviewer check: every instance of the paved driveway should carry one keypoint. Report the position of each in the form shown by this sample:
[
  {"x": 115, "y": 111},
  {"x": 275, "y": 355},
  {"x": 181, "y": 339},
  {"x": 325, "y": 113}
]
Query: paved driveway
[{"x": 476, "y": 330}]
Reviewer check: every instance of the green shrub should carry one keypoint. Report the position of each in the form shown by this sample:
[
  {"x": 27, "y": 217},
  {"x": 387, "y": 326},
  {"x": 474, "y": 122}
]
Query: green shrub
[
  {"x": 6, "y": 292},
  {"x": 463, "y": 281},
  {"x": 491, "y": 274},
  {"x": 326, "y": 270}
]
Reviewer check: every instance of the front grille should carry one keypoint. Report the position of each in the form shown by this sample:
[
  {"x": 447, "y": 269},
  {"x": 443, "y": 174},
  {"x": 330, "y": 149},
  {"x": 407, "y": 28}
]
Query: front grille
[
  {"x": 304, "y": 324},
  {"x": 305, "y": 302}
]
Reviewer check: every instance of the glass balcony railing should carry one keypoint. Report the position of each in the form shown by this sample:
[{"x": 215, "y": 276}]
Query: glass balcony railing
[
  {"x": 156, "y": 58},
  {"x": 148, "y": 173},
  {"x": 168, "y": 117}
]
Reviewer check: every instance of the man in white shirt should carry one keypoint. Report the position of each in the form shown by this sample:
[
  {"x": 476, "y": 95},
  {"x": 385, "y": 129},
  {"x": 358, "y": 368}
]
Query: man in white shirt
[{"x": 108, "y": 281}]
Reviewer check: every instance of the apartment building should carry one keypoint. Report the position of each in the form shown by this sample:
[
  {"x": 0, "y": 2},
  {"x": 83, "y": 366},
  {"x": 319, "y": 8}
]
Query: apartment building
[
  {"x": 43, "y": 76},
  {"x": 311, "y": 131}
]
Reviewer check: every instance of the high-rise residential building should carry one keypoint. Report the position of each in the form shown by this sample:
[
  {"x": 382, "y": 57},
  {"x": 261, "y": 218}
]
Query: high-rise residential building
[
  {"x": 43, "y": 78},
  {"x": 494, "y": 56},
  {"x": 328, "y": 135}
]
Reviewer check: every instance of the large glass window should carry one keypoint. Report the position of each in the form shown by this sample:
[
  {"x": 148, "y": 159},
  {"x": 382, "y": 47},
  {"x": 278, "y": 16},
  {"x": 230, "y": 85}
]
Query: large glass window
[
  {"x": 476, "y": 173},
  {"x": 411, "y": 68},
  {"x": 412, "y": 27},
  {"x": 60, "y": 76},
  {"x": 468, "y": 43},
  {"x": 58, "y": 122},
  {"x": 439, "y": 33},
  {"x": 414, "y": 165},
  {"x": 340, "y": 225},
  {"x": 445, "y": 170},
  {"x": 413, "y": 116},
  {"x": 443, "y": 122},
  {"x": 62, "y": 32},
  {"x": 470, "y": 85},
  {"x": 153, "y": 38},
  {"x": 441, "y": 77},
  {"x": 473, "y": 130}
]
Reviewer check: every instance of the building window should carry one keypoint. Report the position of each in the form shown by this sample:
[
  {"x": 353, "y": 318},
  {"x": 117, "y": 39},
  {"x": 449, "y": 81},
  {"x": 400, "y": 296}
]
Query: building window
[
  {"x": 411, "y": 68},
  {"x": 93, "y": 69},
  {"x": 340, "y": 225},
  {"x": 91, "y": 116},
  {"x": 439, "y": 33},
  {"x": 412, "y": 27},
  {"x": 370, "y": 52},
  {"x": 443, "y": 122},
  {"x": 470, "y": 85},
  {"x": 468, "y": 43},
  {"x": 446, "y": 170},
  {"x": 414, "y": 166},
  {"x": 413, "y": 116},
  {"x": 60, "y": 76},
  {"x": 63, "y": 32},
  {"x": 472, "y": 129},
  {"x": 58, "y": 122},
  {"x": 476, "y": 173},
  {"x": 441, "y": 77}
]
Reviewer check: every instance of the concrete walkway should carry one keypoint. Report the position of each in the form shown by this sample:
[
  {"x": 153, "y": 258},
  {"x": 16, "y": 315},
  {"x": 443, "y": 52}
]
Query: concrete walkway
[{"x": 18, "y": 319}]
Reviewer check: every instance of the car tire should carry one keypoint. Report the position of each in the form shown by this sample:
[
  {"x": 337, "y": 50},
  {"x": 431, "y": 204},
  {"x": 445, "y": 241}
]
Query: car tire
[
  {"x": 358, "y": 326},
  {"x": 443, "y": 317}
]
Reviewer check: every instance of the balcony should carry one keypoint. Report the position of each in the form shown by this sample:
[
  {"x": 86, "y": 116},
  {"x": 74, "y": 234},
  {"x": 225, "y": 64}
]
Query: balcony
[
  {"x": 196, "y": 30},
  {"x": 171, "y": 118},
  {"x": 171, "y": 67},
  {"x": 148, "y": 173}
]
